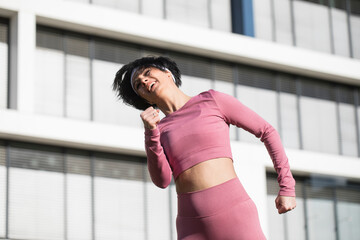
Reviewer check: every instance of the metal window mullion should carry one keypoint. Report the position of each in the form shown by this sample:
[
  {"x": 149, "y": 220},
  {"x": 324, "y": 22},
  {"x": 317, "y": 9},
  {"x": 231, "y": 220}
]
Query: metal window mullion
[
  {"x": 338, "y": 120},
  {"x": 7, "y": 159},
  {"x": 235, "y": 82},
  {"x": 65, "y": 194},
  {"x": 292, "y": 22},
  {"x": 356, "y": 106},
  {"x": 210, "y": 19},
  {"x": 273, "y": 20},
  {"x": 336, "y": 217},
  {"x": 172, "y": 230},
  {"x": 278, "y": 111},
  {"x": 286, "y": 231},
  {"x": 8, "y": 66},
  {"x": 140, "y": 8},
  {"x": 348, "y": 14},
  {"x": 332, "y": 40},
  {"x": 146, "y": 230},
  {"x": 92, "y": 175},
  {"x": 212, "y": 64},
  {"x": 298, "y": 106},
  {"x": 92, "y": 57},
  {"x": 164, "y": 9},
  {"x": 65, "y": 74},
  {"x": 305, "y": 211}
]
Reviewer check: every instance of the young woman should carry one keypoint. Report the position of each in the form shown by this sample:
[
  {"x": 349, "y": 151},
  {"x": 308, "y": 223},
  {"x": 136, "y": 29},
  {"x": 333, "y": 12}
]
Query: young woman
[{"x": 192, "y": 144}]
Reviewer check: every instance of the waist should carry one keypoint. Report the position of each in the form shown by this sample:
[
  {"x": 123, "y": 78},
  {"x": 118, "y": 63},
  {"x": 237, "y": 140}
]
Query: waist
[
  {"x": 205, "y": 175},
  {"x": 212, "y": 200}
]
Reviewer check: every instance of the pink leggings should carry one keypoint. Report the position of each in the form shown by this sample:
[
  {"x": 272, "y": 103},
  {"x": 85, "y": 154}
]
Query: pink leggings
[{"x": 221, "y": 212}]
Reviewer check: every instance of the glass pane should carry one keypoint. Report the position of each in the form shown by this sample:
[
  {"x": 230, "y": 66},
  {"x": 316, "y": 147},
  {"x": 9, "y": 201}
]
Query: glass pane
[
  {"x": 355, "y": 34},
  {"x": 77, "y": 87},
  {"x": 290, "y": 225},
  {"x": 286, "y": 226},
  {"x": 348, "y": 209},
  {"x": 78, "y": 197},
  {"x": 289, "y": 120},
  {"x": 153, "y": 8},
  {"x": 319, "y": 125},
  {"x": 192, "y": 86},
  {"x": 49, "y": 82},
  {"x": 119, "y": 199},
  {"x": 188, "y": 11},
  {"x": 321, "y": 220},
  {"x": 348, "y": 129},
  {"x": 37, "y": 194},
  {"x": 283, "y": 20},
  {"x": 158, "y": 212},
  {"x": 263, "y": 102},
  {"x": 320, "y": 209},
  {"x": 107, "y": 108},
  {"x": 340, "y": 32},
  {"x": 221, "y": 15},
  {"x": 263, "y": 19},
  {"x": 312, "y": 28}
]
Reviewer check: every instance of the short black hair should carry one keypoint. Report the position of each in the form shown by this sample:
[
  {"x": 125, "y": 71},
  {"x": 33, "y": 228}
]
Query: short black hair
[{"x": 122, "y": 81}]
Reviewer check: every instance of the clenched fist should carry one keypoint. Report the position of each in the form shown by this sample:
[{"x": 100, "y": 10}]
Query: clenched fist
[
  {"x": 150, "y": 118},
  {"x": 285, "y": 204}
]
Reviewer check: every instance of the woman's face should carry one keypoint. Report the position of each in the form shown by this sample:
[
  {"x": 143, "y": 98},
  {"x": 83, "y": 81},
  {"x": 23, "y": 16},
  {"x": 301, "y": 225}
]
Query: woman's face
[{"x": 150, "y": 82}]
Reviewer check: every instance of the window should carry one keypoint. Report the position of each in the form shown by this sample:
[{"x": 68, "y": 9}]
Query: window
[
  {"x": 289, "y": 112},
  {"x": 312, "y": 27},
  {"x": 60, "y": 193},
  {"x": 326, "y": 208},
  {"x": 75, "y": 74},
  {"x": 257, "y": 90},
  {"x": 318, "y": 113},
  {"x": 36, "y": 192}
]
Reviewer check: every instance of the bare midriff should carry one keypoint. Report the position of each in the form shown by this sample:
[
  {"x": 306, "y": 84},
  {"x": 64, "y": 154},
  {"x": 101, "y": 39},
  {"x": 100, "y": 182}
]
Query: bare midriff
[{"x": 205, "y": 175}]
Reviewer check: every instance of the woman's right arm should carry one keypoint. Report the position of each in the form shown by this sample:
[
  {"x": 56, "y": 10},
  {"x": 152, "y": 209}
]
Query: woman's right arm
[{"x": 158, "y": 165}]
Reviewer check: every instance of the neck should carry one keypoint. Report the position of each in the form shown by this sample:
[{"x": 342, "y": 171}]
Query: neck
[{"x": 173, "y": 101}]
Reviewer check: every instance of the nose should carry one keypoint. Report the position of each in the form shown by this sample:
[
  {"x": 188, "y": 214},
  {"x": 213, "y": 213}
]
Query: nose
[{"x": 144, "y": 80}]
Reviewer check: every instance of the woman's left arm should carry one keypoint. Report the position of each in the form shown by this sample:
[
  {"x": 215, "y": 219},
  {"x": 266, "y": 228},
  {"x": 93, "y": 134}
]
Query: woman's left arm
[{"x": 234, "y": 112}]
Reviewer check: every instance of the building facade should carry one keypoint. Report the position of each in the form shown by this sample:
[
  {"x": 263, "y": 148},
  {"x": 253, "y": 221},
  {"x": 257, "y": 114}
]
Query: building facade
[{"x": 72, "y": 160}]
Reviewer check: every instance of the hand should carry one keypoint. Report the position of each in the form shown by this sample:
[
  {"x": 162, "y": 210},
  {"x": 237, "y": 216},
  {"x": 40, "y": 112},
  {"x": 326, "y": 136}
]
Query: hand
[
  {"x": 285, "y": 204},
  {"x": 150, "y": 117}
]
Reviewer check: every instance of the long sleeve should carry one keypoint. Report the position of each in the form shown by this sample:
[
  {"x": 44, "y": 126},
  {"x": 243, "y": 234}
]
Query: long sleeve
[
  {"x": 158, "y": 165},
  {"x": 235, "y": 113}
]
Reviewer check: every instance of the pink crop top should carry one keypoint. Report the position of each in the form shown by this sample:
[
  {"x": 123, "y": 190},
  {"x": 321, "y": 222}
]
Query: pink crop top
[{"x": 199, "y": 131}]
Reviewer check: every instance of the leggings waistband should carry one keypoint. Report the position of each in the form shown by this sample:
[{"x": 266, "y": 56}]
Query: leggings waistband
[{"x": 211, "y": 200}]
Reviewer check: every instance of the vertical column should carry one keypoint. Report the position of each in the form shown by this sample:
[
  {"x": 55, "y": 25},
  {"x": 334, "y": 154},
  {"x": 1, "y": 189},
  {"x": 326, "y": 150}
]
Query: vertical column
[{"x": 22, "y": 41}]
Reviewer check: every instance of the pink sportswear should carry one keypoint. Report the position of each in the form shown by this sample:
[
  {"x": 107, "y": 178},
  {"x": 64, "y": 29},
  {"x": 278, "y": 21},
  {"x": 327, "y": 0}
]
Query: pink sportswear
[{"x": 199, "y": 131}]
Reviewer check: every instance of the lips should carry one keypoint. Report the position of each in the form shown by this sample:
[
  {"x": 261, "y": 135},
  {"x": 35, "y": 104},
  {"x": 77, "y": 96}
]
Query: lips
[{"x": 150, "y": 86}]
